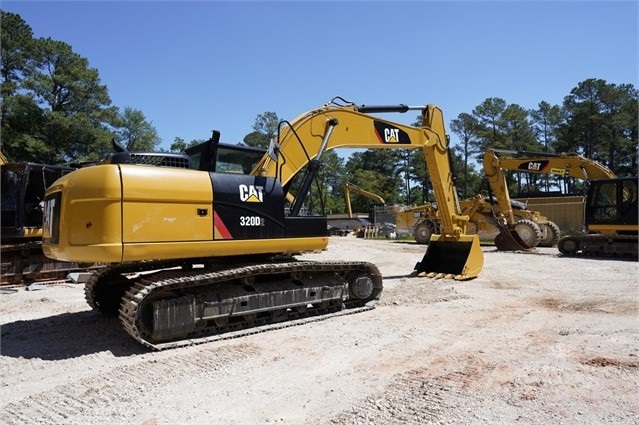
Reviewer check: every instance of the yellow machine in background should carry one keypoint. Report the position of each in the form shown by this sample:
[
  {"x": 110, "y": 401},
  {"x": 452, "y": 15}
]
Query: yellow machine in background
[
  {"x": 422, "y": 221},
  {"x": 23, "y": 188},
  {"x": 350, "y": 187},
  {"x": 197, "y": 252},
  {"x": 610, "y": 218},
  {"x": 365, "y": 230}
]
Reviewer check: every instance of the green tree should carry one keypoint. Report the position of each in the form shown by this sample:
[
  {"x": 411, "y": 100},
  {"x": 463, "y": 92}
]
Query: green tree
[
  {"x": 518, "y": 131},
  {"x": 135, "y": 132},
  {"x": 465, "y": 126},
  {"x": 330, "y": 179},
  {"x": 545, "y": 121},
  {"x": 601, "y": 124},
  {"x": 325, "y": 194},
  {"x": 179, "y": 144},
  {"x": 77, "y": 105},
  {"x": 490, "y": 129},
  {"x": 15, "y": 52},
  {"x": 19, "y": 110},
  {"x": 54, "y": 107},
  {"x": 388, "y": 166},
  {"x": 370, "y": 181},
  {"x": 519, "y": 136},
  {"x": 264, "y": 129}
]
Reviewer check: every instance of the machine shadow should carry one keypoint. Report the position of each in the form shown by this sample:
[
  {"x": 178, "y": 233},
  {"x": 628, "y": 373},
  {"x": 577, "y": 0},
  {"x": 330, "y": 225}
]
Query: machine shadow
[{"x": 66, "y": 336}]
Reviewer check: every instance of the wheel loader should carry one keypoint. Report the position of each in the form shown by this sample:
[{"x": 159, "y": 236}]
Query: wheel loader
[
  {"x": 202, "y": 246},
  {"x": 531, "y": 228}
]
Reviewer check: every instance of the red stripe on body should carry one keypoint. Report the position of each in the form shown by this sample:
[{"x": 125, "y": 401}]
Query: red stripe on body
[{"x": 220, "y": 227}]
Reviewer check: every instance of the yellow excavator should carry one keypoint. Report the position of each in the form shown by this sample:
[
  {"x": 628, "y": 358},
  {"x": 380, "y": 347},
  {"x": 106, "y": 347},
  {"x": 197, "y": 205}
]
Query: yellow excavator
[
  {"x": 610, "y": 214},
  {"x": 199, "y": 244},
  {"x": 369, "y": 230},
  {"x": 350, "y": 187}
]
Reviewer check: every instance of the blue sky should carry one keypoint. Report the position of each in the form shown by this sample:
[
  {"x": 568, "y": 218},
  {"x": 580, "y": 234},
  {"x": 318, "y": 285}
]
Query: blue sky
[{"x": 192, "y": 67}]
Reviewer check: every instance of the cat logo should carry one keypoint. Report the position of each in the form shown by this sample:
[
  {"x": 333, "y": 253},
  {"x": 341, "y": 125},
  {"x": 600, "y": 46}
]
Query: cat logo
[
  {"x": 534, "y": 166},
  {"x": 250, "y": 193},
  {"x": 389, "y": 134}
]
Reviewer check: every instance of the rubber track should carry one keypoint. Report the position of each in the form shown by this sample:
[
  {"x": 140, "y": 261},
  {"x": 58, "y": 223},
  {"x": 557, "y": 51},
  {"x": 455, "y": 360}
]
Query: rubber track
[{"x": 177, "y": 279}]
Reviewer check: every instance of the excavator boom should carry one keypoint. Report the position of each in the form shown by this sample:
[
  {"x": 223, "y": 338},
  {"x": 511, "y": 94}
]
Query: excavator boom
[
  {"x": 562, "y": 164},
  {"x": 304, "y": 140}
]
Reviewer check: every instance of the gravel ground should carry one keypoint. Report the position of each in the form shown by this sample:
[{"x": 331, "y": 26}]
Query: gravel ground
[{"x": 536, "y": 338}]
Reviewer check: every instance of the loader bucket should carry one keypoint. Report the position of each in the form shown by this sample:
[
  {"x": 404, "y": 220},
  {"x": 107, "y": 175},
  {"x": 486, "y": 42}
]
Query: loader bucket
[
  {"x": 458, "y": 258},
  {"x": 509, "y": 240}
]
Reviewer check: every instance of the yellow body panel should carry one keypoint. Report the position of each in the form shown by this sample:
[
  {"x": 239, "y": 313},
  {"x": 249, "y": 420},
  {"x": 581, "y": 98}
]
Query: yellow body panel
[
  {"x": 90, "y": 216},
  {"x": 612, "y": 229},
  {"x": 110, "y": 213},
  {"x": 138, "y": 252},
  {"x": 178, "y": 208}
]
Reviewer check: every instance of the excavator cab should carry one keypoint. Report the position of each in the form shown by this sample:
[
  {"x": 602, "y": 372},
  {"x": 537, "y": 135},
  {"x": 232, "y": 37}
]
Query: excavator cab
[
  {"x": 611, "y": 205},
  {"x": 225, "y": 158}
]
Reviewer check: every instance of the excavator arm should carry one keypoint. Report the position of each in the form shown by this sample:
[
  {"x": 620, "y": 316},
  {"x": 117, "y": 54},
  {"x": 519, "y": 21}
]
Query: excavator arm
[
  {"x": 350, "y": 187},
  {"x": 562, "y": 164},
  {"x": 302, "y": 142}
]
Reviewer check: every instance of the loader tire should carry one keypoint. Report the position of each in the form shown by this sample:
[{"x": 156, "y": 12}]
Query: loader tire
[
  {"x": 423, "y": 231},
  {"x": 550, "y": 235},
  {"x": 529, "y": 232}
]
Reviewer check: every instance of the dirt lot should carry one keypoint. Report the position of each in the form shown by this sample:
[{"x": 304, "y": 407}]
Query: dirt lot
[{"x": 536, "y": 338}]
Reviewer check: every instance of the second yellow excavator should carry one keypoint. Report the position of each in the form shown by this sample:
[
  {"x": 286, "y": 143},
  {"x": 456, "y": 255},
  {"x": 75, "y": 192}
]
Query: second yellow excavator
[
  {"x": 610, "y": 215},
  {"x": 201, "y": 246}
]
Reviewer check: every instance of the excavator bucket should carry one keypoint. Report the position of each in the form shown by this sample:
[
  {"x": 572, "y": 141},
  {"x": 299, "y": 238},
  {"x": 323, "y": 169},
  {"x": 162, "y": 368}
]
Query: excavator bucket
[
  {"x": 451, "y": 258},
  {"x": 509, "y": 240}
]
